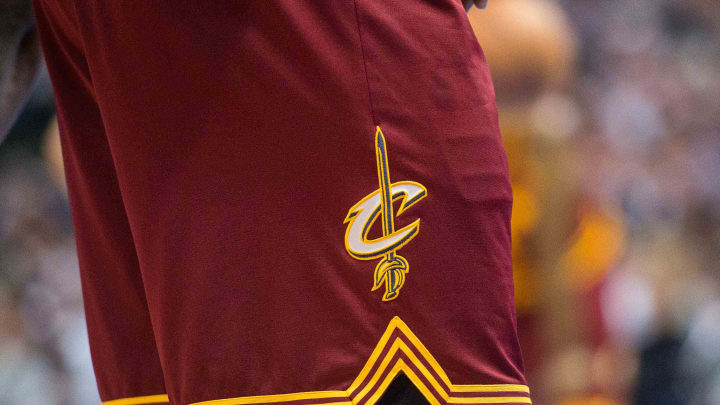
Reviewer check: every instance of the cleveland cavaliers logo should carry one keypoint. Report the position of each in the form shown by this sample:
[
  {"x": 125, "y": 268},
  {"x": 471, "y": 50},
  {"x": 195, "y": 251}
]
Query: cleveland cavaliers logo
[{"x": 392, "y": 268}]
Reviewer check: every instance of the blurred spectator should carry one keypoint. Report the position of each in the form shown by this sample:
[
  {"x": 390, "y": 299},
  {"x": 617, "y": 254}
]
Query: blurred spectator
[
  {"x": 44, "y": 354},
  {"x": 615, "y": 161}
]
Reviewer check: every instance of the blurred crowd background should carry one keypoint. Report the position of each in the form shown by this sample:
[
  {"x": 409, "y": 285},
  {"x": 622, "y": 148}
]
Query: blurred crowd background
[{"x": 610, "y": 113}]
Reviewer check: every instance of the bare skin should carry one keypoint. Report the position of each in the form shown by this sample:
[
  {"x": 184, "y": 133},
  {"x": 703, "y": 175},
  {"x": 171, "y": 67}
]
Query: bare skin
[{"x": 20, "y": 57}]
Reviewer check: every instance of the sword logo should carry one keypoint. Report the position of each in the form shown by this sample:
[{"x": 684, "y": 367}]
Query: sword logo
[{"x": 391, "y": 270}]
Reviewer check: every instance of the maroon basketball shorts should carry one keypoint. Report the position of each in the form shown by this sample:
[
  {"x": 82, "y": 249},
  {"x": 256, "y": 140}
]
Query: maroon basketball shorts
[{"x": 286, "y": 202}]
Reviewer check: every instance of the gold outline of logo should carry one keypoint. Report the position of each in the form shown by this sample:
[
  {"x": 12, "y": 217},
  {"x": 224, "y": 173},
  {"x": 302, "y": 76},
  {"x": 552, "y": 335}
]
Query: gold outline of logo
[{"x": 391, "y": 270}]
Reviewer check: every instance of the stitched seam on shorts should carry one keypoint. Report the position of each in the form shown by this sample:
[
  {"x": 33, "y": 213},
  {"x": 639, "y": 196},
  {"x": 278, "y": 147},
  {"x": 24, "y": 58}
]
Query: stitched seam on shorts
[{"x": 365, "y": 68}]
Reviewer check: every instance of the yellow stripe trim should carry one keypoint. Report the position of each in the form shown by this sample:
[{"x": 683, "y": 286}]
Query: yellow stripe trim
[
  {"x": 149, "y": 399},
  {"x": 276, "y": 398},
  {"x": 491, "y": 388},
  {"x": 490, "y": 400}
]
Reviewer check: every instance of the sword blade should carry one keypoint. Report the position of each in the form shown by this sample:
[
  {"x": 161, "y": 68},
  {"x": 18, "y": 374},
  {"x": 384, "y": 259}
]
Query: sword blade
[{"x": 384, "y": 179}]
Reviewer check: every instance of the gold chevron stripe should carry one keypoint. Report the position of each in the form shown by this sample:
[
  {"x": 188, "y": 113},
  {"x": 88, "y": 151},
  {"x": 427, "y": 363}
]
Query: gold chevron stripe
[
  {"x": 440, "y": 372},
  {"x": 373, "y": 357},
  {"x": 373, "y": 381},
  {"x": 401, "y": 366}
]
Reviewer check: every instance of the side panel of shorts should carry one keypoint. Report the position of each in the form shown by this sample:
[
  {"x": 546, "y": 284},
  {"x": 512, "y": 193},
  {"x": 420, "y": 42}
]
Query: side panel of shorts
[
  {"x": 432, "y": 95},
  {"x": 121, "y": 338}
]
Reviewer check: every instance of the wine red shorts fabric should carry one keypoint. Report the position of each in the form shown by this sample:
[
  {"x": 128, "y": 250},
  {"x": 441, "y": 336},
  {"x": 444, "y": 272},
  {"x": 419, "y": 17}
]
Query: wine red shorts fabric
[{"x": 286, "y": 201}]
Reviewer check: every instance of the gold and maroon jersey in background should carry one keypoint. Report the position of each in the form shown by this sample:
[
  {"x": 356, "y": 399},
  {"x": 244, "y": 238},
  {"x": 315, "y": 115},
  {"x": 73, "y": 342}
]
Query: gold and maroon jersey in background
[{"x": 286, "y": 202}]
